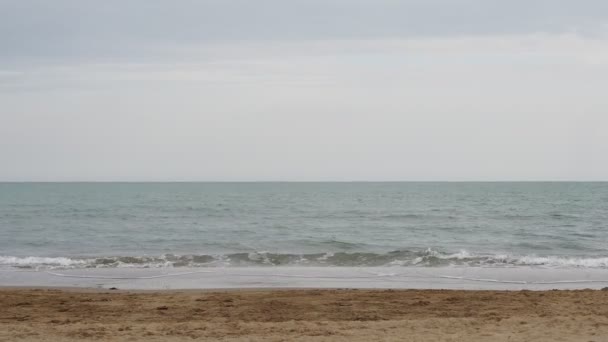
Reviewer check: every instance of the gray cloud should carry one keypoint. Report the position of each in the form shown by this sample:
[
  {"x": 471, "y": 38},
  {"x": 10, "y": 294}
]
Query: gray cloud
[
  {"x": 303, "y": 90},
  {"x": 60, "y": 29}
]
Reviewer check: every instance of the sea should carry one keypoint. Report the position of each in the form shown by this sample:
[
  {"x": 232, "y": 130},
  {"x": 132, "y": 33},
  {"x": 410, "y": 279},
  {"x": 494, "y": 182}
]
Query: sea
[{"x": 303, "y": 224}]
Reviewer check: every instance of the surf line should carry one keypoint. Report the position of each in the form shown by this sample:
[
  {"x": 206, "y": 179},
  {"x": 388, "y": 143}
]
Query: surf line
[
  {"x": 388, "y": 276},
  {"x": 524, "y": 282},
  {"x": 385, "y": 276},
  {"x": 126, "y": 278}
]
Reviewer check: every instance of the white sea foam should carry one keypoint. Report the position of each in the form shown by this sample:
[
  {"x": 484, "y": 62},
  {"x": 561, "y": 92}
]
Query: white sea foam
[
  {"x": 40, "y": 261},
  {"x": 553, "y": 261},
  {"x": 427, "y": 258}
]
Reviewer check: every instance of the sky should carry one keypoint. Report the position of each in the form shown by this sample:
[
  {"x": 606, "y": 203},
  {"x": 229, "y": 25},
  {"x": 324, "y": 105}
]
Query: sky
[{"x": 314, "y": 90}]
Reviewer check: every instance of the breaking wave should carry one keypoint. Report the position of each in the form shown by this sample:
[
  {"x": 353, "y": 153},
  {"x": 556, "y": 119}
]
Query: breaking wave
[{"x": 403, "y": 258}]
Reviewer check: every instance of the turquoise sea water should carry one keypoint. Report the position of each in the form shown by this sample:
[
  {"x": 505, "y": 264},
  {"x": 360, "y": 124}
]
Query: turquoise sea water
[{"x": 303, "y": 224}]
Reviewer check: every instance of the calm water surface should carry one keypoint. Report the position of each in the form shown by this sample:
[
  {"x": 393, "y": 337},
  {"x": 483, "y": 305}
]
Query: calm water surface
[{"x": 303, "y": 224}]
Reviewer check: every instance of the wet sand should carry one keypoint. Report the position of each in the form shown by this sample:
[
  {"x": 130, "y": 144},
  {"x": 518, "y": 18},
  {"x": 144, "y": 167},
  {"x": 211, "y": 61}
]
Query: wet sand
[
  {"x": 455, "y": 278},
  {"x": 303, "y": 315}
]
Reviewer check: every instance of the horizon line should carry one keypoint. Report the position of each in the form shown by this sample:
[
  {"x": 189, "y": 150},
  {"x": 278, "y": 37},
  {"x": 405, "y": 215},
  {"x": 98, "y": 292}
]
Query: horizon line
[{"x": 299, "y": 181}]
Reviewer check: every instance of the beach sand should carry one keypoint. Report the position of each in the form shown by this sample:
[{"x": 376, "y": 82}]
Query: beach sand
[{"x": 303, "y": 315}]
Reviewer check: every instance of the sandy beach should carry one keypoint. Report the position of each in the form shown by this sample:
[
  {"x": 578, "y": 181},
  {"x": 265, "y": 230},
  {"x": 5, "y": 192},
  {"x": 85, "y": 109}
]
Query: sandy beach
[{"x": 304, "y": 315}]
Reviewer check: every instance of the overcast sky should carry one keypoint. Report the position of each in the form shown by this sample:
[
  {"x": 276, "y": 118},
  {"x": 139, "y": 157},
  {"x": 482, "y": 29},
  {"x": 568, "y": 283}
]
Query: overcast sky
[{"x": 303, "y": 90}]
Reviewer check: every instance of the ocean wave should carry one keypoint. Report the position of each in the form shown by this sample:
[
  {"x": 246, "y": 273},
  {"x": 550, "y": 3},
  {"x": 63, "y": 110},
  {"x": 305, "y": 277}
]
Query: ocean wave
[
  {"x": 403, "y": 258},
  {"x": 40, "y": 261}
]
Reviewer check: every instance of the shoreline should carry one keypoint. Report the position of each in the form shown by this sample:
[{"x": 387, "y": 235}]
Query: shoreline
[
  {"x": 302, "y": 315},
  {"x": 455, "y": 278}
]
